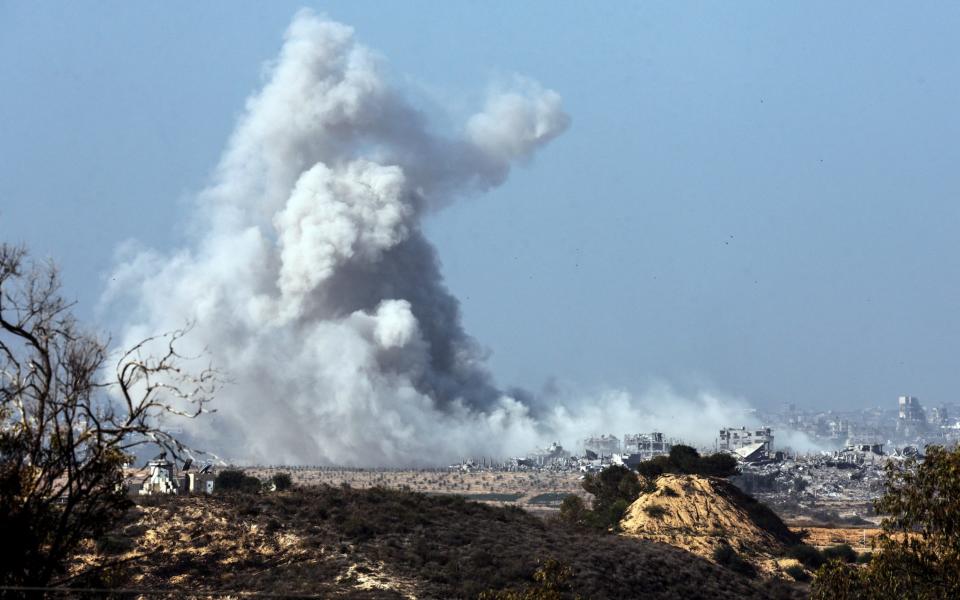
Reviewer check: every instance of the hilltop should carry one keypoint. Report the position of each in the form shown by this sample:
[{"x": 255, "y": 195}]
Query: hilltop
[
  {"x": 701, "y": 514},
  {"x": 380, "y": 543}
]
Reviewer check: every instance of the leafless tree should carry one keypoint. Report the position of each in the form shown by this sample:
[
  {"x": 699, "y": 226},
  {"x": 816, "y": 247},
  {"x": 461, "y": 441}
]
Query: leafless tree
[{"x": 68, "y": 423}]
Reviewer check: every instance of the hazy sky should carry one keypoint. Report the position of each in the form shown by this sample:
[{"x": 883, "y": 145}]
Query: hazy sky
[{"x": 755, "y": 197}]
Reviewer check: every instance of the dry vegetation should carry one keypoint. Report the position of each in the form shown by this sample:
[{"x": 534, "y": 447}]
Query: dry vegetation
[
  {"x": 379, "y": 543},
  {"x": 702, "y": 514},
  {"x": 857, "y": 538},
  {"x": 446, "y": 481}
]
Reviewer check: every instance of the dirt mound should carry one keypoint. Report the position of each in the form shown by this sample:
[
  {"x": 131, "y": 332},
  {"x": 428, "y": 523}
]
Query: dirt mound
[
  {"x": 340, "y": 542},
  {"x": 701, "y": 513}
]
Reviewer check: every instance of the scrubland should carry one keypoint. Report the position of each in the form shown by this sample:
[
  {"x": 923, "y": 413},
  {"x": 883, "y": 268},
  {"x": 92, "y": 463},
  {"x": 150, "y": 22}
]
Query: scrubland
[{"x": 339, "y": 541}]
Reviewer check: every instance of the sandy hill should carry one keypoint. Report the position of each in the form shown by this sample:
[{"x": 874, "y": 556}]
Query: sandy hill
[
  {"x": 347, "y": 543},
  {"x": 700, "y": 513}
]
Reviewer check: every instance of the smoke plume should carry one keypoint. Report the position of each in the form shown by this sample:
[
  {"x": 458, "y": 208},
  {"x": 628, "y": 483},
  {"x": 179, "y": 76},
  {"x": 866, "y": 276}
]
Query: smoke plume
[{"x": 311, "y": 284}]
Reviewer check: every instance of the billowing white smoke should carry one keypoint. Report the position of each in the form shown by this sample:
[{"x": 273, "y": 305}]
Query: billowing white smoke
[
  {"x": 311, "y": 283},
  {"x": 692, "y": 419}
]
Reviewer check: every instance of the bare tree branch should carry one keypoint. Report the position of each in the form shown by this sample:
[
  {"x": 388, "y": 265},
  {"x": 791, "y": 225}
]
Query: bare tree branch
[{"x": 67, "y": 427}]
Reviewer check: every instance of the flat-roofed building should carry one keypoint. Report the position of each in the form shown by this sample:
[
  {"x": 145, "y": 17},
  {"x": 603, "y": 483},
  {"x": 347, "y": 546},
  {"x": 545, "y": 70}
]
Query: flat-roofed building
[{"x": 734, "y": 438}]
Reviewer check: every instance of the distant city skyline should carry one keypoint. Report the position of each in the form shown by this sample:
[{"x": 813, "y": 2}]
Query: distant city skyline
[{"x": 755, "y": 199}]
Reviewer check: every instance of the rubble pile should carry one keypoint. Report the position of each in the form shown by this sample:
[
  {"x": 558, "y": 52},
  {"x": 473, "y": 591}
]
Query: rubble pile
[{"x": 822, "y": 486}]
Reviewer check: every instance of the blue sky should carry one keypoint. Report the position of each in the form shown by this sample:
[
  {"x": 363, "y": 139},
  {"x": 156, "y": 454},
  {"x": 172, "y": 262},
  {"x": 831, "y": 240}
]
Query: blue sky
[{"x": 755, "y": 197}]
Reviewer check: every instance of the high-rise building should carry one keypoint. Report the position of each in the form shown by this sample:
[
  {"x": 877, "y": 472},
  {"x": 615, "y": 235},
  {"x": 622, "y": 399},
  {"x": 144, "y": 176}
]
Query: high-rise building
[
  {"x": 912, "y": 418},
  {"x": 910, "y": 409}
]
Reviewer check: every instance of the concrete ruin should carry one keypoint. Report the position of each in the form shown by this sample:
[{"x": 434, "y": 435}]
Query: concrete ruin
[
  {"x": 911, "y": 418},
  {"x": 163, "y": 479},
  {"x": 647, "y": 445},
  {"x": 601, "y": 445},
  {"x": 859, "y": 454},
  {"x": 554, "y": 454},
  {"x": 732, "y": 439},
  {"x": 640, "y": 447}
]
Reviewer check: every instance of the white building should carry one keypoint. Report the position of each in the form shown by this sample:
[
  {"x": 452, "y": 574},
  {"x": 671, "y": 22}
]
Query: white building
[
  {"x": 164, "y": 480},
  {"x": 733, "y": 439},
  {"x": 161, "y": 479}
]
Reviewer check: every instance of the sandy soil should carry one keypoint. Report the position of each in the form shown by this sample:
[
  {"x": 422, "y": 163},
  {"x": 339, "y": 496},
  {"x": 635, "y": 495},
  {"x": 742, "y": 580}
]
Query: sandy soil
[{"x": 823, "y": 537}]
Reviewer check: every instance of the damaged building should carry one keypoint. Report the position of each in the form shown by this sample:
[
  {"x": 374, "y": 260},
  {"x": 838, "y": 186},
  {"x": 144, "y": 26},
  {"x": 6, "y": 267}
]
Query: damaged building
[
  {"x": 859, "y": 454},
  {"x": 911, "y": 418},
  {"x": 164, "y": 479},
  {"x": 601, "y": 445},
  {"x": 647, "y": 445},
  {"x": 639, "y": 447},
  {"x": 747, "y": 444}
]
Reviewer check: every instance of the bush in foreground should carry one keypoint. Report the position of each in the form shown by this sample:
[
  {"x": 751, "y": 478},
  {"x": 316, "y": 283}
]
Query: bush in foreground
[
  {"x": 808, "y": 556},
  {"x": 614, "y": 489},
  {"x": 282, "y": 481},
  {"x": 235, "y": 480},
  {"x": 573, "y": 510},
  {"x": 550, "y": 583},
  {"x": 798, "y": 573},
  {"x": 919, "y": 549},
  {"x": 687, "y": 461},
  {"x": 69, "y": 422},
  {"x": 841, "y": 552}
]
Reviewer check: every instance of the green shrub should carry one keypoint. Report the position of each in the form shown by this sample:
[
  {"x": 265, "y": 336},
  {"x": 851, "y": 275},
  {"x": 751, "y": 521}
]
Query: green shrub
[
  {"x": 616, "y": 482},
  {"x": 551, "y": 582},
  {"x": 669, "y": 492},
  {"x": 282, "y": 481},
  {"x": 686, "y": 460},
  {"x": 235, "y": 480},
  {"x": 841, "y": 552},
  {"x": 726, "y": 556},
  {"x": 809, "y": 556},
  {"x": 718, "y": 465},
  {"x": 798, "y": 573},
  {"x": 616, "y": 511},
  {"x": 357, "y": 528},
  {"x": 573, "y": 510},
  {"x": 655, "y": 511},
  {"x": 655, "y": 467},
  {"x": 614, "y": 489}
]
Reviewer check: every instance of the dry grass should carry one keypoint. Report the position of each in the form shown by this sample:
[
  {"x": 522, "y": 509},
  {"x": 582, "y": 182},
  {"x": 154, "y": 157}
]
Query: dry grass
[
  {"x": 822, "y": 537},
  {"x": 380, "y": 543},
  {"x": 526, "y": 485}
]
